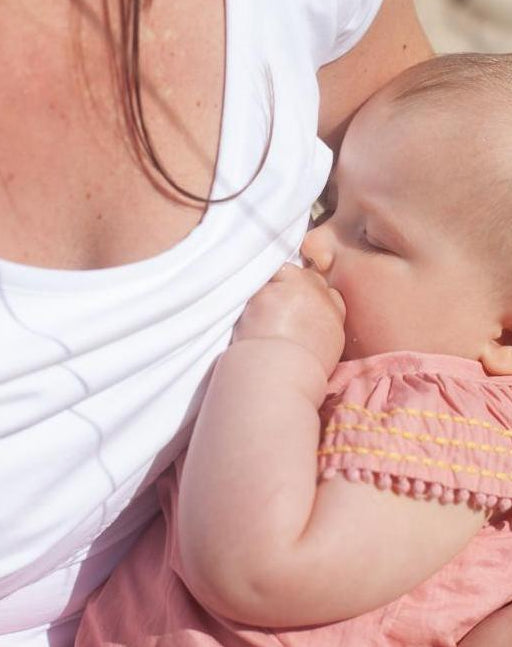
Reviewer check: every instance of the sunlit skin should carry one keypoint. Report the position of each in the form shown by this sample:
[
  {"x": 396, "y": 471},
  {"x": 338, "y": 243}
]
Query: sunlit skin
[
  {"x": 407, "y": 280},
  {"x": 410, "y": 260},
  {"x": 415, "y": 258}
]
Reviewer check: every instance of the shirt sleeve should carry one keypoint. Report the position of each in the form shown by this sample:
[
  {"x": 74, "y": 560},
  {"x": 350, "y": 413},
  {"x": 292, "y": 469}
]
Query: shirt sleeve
[
  {"x": 330, "y": 27},
  {"x": 353, "y": 18},
  {"x": 425, "y": 433}
]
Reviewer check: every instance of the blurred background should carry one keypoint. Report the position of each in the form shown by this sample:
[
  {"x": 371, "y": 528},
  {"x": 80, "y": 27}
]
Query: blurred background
[{"x": 467, "y": 25}]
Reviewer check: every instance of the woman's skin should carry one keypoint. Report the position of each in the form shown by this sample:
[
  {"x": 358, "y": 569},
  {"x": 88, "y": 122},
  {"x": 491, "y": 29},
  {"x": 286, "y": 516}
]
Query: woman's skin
[
  {"x": 71, "y": 193},
  {"x": 72, "y": 196}
]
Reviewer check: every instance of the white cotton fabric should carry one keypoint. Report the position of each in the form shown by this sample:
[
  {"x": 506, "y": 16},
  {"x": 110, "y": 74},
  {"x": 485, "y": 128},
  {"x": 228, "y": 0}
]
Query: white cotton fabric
[{"x": 101, "y": 371}]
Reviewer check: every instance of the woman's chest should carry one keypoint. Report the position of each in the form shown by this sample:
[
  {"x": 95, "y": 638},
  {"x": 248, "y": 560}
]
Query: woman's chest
[
  {"x": 73, "y": 191},
  {"x": 73, "y": 194}
]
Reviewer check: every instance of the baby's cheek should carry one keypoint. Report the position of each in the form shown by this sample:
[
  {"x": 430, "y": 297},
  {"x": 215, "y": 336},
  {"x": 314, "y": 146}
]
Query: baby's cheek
[
  {"x": 372, "y": 325},
  {"x": 361, "y": 333},
  {"x": 362, "y": 340}
]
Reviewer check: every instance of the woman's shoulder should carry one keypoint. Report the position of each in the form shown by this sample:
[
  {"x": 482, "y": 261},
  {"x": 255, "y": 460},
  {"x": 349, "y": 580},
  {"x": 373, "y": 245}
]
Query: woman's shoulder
[{"x": 332, "y": 27}]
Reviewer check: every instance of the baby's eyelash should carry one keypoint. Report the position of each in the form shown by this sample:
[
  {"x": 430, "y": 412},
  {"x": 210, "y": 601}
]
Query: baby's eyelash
[{"x": 367, "y": 246}]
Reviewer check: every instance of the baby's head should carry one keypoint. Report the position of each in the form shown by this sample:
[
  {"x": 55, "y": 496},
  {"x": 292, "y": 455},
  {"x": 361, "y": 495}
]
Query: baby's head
[{"x": 420, "y": 244}]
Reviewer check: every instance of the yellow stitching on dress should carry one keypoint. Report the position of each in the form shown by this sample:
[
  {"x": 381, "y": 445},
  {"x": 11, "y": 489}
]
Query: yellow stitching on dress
[
  {"x": 412, "y": 458},
  {"x": 417, "y": 413},
  {"x": 421, "y": 438}
]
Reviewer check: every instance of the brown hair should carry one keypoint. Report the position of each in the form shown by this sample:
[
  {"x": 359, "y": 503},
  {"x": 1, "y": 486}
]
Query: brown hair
[
  {"x": 129, "y": 83},
  {"x": 120, "y": 21},
  {"x": 476, "y": 87}
]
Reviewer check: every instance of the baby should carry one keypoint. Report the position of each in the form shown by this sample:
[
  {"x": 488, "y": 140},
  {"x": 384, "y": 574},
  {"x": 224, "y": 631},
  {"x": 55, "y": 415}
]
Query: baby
[{"x": 403, "y": 539}]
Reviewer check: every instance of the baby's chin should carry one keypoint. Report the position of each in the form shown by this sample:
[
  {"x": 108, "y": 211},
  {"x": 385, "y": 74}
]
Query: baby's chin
[
  {"x": 360, "y": 344},
  {"x": 356, "y": 344},
  {"x": 353, "y": 351}
]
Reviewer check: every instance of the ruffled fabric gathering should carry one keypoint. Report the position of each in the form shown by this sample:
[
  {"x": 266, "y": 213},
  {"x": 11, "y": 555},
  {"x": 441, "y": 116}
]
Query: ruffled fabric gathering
[
  {"x": 160, "y": 609},
  {"x": 425, "y": 426}
]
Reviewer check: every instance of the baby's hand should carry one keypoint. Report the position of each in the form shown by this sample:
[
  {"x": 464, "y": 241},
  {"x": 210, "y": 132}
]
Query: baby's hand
[{"x": 297, "y": 305}]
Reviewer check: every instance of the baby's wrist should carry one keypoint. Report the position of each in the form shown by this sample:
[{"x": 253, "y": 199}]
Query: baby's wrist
[{"x": 296, "y": 364}]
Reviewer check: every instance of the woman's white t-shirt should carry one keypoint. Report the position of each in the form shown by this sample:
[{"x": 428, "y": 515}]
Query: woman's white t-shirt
[{"x": 101, "y": 372}]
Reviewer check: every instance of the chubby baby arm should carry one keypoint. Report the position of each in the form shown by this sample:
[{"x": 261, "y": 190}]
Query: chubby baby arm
[{"x": 271, "y": 545}]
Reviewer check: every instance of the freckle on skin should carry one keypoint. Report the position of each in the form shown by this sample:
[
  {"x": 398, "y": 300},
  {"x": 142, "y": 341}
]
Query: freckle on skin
[
  {"x": 198, "y": 104},
  {"x": 404, "y": 46},
  {"x": 99, "y": 216},
  {"x": 88, "y": 195},
  {"x": 10, "y": 177}
]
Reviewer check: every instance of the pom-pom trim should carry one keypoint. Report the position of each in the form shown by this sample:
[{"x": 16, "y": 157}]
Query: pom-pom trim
[{"x": 420, "y": 489}]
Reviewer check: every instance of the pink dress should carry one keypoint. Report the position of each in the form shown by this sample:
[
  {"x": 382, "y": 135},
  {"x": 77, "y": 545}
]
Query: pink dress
[{"x": 425, "y": 425}]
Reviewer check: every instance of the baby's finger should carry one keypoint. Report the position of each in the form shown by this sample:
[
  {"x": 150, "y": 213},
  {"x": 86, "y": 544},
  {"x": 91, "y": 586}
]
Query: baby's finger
[
  {"x": 286, "y": 272},
  {"x": 316, "y": 278}
]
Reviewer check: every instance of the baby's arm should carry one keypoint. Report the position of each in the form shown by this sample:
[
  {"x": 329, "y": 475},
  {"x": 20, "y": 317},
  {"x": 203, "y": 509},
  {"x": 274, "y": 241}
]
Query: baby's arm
[
  {"x": 262, "y": 541},
  {"x": 494, "y": 631}
]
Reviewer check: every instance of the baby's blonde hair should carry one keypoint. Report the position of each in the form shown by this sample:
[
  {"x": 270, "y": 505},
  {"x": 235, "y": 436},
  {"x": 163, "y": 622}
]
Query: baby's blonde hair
[
  {"x": 456, "y": 74},
  {"x": 475, "y": 89}
]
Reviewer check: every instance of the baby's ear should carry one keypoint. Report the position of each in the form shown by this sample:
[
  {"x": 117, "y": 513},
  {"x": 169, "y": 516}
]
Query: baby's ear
[{"x": 497, "y": 355}]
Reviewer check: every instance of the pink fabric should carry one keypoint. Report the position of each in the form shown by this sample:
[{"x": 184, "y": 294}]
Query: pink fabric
[
  {"x": 430, "y": 418},
  {"x": 145, "y": 603}
]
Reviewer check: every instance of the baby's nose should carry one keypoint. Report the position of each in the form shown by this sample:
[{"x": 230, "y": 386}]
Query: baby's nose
[{"x": 316, "y": 251}]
